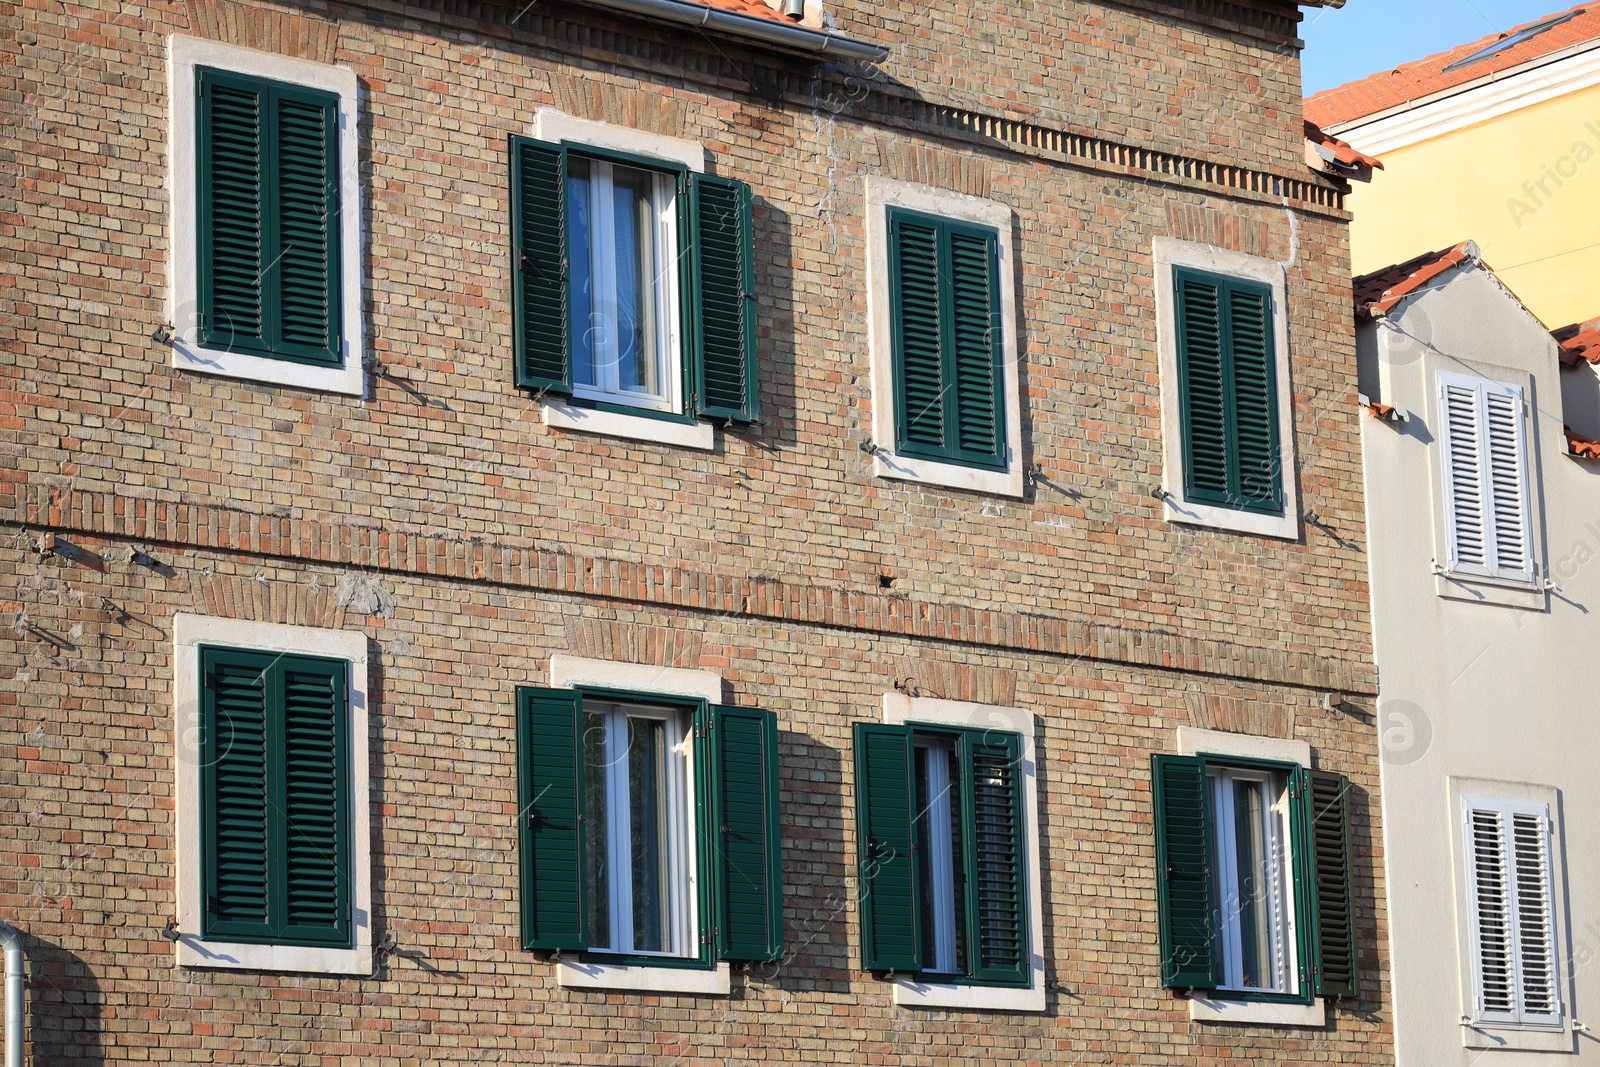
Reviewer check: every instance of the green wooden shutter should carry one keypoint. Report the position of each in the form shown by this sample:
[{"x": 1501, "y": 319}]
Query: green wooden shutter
[
  {"x": 269, "y": 203},
  {"x": 541, "y": 312},
  {"x": 891, "y": 936},
  {"x": 996, "y": 862},
  {"x": 550, "y": 818},
  {"x": 1227, "y": 373},
  {"x": 918, "y": 338},
  {"x": 1332, "y": 885},
  {"x": 747, "y": 857},
  {"x": 315, "y": 799},
  {"x": 1183, "y": 872},
  {"x": 976, "y": 354},
  {"x": 233, "y": 758},
  {"x": 724, "y": 330}
]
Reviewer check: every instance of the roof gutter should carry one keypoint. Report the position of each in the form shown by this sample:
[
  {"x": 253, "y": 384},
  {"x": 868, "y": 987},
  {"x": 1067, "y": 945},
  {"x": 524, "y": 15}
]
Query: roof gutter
[
  {"x": 11, "y": 941},
  {"x": 792, "y": 38}
]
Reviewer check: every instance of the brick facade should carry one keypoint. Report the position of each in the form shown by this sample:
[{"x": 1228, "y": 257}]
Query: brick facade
[{"x": 482, "y": 541}]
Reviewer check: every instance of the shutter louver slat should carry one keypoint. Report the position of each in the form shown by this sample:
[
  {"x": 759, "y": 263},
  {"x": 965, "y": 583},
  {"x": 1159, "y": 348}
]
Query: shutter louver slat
[
  {"x": 541, "y": 306},
  {"x": 549, "y": 818},
  {"x": 998, "y": 849},
  {"x": 1464, "y": 480},
  {"x": 1534, "y": 923},
  {"x": 1183, "y": 872},
  {"x": 1254, "y": 396},
  {"x": 891, "y": 936},
  {"x": 233, "y": 300},
  {"x": 315, "y": 799},
  {"x": 308, "y": 226},
  {"x": 975, "y": 326},
  {"x": 1507, "y": 491},
  {"x": 1205, "y": 417},
  {"x": 1491, "y": 913},
  {"x": 747, "y": 858},
  {"x": 721, "y": 222},
  {"x": 236, "y": 761},
  {"x": 918, "y": 336}
]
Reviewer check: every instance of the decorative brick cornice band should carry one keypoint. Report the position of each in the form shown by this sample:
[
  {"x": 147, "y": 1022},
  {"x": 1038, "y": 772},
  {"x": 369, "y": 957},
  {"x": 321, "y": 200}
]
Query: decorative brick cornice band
[
  {"x": 433, "y": 556},
  {"x": 861, "y": 99}
]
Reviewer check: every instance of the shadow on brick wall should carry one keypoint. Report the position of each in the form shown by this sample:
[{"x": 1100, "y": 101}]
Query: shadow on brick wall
[
  {"x": 819, "y": 883},
  {"x": 775, "y": 328},
  {"x": 65, "y": 1007}
]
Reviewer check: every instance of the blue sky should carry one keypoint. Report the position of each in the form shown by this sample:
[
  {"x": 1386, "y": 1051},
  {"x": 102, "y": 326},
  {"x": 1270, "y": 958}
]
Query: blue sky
[{"x": 1366, "y": 36}]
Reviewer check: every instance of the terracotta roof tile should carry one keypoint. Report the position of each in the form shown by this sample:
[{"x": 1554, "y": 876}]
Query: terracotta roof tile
[
  {"x": 1425, "y": 77},
  {"x": 1343, "y": 152},
  {"x": 1580, "y": 341},
  {"x": 1581, "y": 446},
  {"x": 1382, "y": 290},
  {"x": 753, "y": 8}
]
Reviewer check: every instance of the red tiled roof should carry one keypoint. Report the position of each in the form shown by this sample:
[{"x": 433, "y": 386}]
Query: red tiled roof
[
  {"x": 1581, "y": 446},
  {"x": 754, "y": 8},
  {"x": 1581, "y": 340},
  {"x": 1424, "y": 77},
  {"x": 1382, "y": 290},
  {"x": 1342, "y": 151}
]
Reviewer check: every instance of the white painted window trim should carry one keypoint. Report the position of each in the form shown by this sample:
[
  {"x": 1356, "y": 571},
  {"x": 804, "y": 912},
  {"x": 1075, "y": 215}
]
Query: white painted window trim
[
  {"x": 183, "y": 259},
  {"x": 899, "y": 709},
  {"x": 557, "y": 127},
  {"x": 881, "y": 195},
  {"x": 570, "y": 672},
  {"x": 189, "y": 633},
  {"x": 1477, "y": 1033},
  {"x": 1207, "y": 1009},
  {"x": 1169, "y": 253}
]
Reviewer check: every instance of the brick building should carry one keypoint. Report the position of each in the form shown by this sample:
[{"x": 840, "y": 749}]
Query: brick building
[{"x": 542, "y": 534}]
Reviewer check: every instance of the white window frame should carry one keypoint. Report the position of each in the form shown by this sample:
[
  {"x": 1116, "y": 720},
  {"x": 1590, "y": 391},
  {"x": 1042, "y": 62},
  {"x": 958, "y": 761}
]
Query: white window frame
[
  {"x": 1167, "y": 254},
  {"x": 571, "y": 672},
  {"x": 557, "y": 127},
  {"x": 191, "y": 950},
  {"x": 881, "y": 195},
  {"x": 918, "y": 992},
  {"x": 1483, "y": 389},
  {"x": 1283, "y": 903},
  {"x": 183, "y": 257}
]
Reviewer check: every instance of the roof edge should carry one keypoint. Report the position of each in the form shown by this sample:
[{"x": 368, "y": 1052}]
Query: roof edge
[{"x": 780, "y": 35}]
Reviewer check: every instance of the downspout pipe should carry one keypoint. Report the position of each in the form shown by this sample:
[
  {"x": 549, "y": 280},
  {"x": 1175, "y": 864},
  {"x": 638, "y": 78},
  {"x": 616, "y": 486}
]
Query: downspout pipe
[
  {"x": 778, "y": 34},
  {"x": 16, "y": 970}
]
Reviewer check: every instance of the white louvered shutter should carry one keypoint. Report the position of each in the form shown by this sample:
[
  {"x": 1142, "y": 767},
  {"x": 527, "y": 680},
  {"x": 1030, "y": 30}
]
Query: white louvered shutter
[
  {"x": 1512, "y": 912},
  {"x": 1483, "y": 440}
]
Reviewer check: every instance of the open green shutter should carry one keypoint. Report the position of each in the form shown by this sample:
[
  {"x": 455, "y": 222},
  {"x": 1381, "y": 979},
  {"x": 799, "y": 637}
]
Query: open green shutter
[
  {"x": 269, "y": 206},
  {"x": 1332, "y": 885},
  {"x": 315, "y": 799},
  {"x": 1183, "y": 872},
  {"x": 724, "y": 333},
  {"x": 550, "y": 817},
  {"x": 997, "y": 864},
  {"x": 978, "y": 408},
  {"x": 891, "y": 936},
  {"x": 540, "y": 304},
  {"x": 233, "y": 760},
  {"x": 1203, "y": 389},
  {"x": 1255, "y": 388},
  {"x": 918, "y": 337},
  {"x": 747, "y": 856}
]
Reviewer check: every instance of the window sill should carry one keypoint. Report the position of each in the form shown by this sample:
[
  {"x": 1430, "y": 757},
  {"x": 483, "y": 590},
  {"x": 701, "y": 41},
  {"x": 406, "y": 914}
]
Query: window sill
[
  {"x": 886, "y": 464},
  {"x": 301, "y": 959},
  {"x": 1286, "y": 526},
  {"x": 564, "y": 416},
  {"x": 633, "y": 978},
  {"x": 349, "y": 379},
  {"x": 1485, "y": 1036},
  {"x": 1257, "y": 1013},
  {"x": 1487, "y": 591},
  {"x": 910, "y": 993}
]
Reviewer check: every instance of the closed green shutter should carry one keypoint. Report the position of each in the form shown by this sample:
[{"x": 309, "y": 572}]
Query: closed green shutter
[
  {"x": 276, "y": 798},
  {"x": 549, "y": 818},
  {"x": 724, "y": 333},
  {"x": 996, "y": 861},
  {"x": 1183, "y": 872},
  {"x": 945, "y": 304},
  {"x": 1332, "y": 885},
  {"x": 747, "y": 856},
  {"x": 269, "y": 203},
  {"x": 541, "y": 304},
  {"x": 891, "y": 937},
  {"x": 1227, "y": 373}
]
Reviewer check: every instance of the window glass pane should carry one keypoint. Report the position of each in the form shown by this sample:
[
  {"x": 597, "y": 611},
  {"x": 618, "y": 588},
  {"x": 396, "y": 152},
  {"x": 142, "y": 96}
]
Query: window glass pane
[
  {"x": 938, "y": 778},
  {"x": 1255, "y": 880},
  {"x": 648, "y": 806},
  {"x": 1251, "y": 880},
  {"x": 581, "y": 270},
  {"x": 596, "y": 830},
  {"x": 633, "y": 205}
]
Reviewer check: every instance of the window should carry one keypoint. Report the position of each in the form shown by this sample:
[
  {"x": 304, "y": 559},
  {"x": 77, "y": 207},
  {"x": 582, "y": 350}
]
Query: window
[
  {"x": 271, "y": 797},
  {"x": 1254, "y": 879},
  {"x": 1228, "y": 441},
  {"x": 1511, "y": 894},
  {"x": 266, "y": 218},
  {"x": 634, "y": 283},
  {"x": 648, "y": 827},
  {"x": 943, "y": 849},
  {"x": 946, "y": 394},
  {"x": 1484, "y": 455}
]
